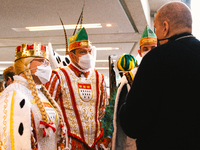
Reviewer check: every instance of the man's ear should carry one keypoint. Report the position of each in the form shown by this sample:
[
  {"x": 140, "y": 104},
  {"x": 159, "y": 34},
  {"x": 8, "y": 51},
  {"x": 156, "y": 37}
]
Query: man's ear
[
  {"x": 9, "y": 81},
  {"x": 165, "y": 28},
  {"x": 139, "y": 52},
  {"x": 9, "y": 78},
  {"x": 71, "y": 56}
]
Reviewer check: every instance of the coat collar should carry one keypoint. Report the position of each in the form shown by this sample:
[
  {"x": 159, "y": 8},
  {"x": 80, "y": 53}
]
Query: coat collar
[{"x": 77, "y": 71}]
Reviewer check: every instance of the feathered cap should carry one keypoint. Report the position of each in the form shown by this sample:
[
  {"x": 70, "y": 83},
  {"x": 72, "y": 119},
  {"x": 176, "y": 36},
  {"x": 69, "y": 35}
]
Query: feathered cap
[
  {"x": 79, "y": 40},
  {"x": 126, "y": 63},
  {"x": 148, "y": 37},
  {"x": 34, "y": 50}
]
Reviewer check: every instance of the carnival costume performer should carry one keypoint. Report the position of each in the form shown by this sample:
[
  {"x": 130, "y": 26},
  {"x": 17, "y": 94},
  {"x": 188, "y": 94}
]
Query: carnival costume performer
[
  {"x": 30, "y": 119},
  {"x": 81, "y": 92},
  {"x": 148, "y": 41}
]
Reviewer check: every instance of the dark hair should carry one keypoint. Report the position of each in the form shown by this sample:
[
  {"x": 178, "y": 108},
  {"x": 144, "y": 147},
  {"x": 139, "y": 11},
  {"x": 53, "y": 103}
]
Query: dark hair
[
  {"x": 73, "y": 51},
  {"x": 9, "y": 74},
  {"x": 1, "y": 86}
]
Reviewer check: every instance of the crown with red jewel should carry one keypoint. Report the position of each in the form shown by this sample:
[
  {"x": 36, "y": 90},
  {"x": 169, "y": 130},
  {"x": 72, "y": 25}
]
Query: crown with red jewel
[{"x": 34, "y": 50}]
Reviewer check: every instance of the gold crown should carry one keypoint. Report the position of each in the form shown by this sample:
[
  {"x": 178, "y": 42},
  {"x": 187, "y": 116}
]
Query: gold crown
[{"x": 34, "y": 50}]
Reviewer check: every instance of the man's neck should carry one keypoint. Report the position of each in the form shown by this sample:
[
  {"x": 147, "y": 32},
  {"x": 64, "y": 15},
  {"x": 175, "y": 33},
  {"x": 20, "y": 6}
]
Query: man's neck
[
  {"x": 77, "y": 71},
  {"x": 180, "y": 31}
]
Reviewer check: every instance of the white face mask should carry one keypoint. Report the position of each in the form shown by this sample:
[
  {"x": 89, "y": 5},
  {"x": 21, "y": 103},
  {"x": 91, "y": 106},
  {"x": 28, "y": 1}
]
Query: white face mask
[
  {"x": 144, "y": 53},
  {"x": 43, "y": 73},
  {"x": 85, "y": 61}
]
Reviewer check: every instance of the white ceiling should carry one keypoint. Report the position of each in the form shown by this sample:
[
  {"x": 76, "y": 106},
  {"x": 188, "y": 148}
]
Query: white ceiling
[{"x": 128, "y": 18}]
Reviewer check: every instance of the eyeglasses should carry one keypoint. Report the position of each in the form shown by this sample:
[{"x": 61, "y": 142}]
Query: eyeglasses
[{"x": 45, "y": 62}]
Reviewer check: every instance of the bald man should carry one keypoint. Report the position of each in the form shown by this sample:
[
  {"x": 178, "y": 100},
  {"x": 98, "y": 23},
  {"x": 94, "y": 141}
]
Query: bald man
[{"x": 162, "y": 109}]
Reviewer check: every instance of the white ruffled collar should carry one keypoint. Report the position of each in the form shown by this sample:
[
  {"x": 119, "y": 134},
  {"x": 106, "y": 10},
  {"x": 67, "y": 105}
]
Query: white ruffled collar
[{"x": 22, "y": 79}]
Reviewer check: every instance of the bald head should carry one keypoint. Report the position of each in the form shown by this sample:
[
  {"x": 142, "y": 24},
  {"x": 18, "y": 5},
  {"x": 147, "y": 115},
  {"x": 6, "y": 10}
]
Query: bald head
[{"x": 177, "y": 14}]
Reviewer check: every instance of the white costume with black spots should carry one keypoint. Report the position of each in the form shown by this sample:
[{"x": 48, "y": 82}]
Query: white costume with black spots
[
  {"x": 20, "y": 117},
  {"x": 120, "y": 140}
]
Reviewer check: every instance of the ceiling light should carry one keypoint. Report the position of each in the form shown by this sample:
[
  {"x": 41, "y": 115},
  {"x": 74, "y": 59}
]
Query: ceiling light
[
  {"x": 102, "y": 68},
  {"x": 2, "y": 68},
  {"x": 109, "y": 25},
  {"x": 107, "y": 48},
  {"x": 61, "y": 49},
  {"x": 102, "y": 60},
  {"x": 97, "y": 48},
  {"x": 6, "y": 62},
  {"x": 57, "y": 27}
]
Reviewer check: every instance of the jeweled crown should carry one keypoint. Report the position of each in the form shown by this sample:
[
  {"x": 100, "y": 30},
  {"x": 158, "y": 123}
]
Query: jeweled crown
[{"x": 34, "y": 50}]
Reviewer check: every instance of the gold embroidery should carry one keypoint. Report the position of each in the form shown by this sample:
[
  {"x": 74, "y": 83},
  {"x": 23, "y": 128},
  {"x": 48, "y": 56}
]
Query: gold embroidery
[
  {"x": 22, "y": 83},
  {"x": 45, "y": 101},
  {"x": 12, "y": 123},
  {"x": 87, "y": 110},
  {"x": 5, "y": 122},
  {"x": 1, "y": 144},
  {"x": 68, "y": 105},
  {"x": 44, "y": 142},
  {"x": 129, "y": 77}
]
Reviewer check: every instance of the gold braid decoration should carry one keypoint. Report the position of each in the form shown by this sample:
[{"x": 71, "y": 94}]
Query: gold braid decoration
[
  {"x": 53, "y": 103},
  {"x": 61, "y": 121},
  {"x": 1, "y": 143},
  {"x": 35, "y": 95},
  {"x": 41, "y": 106}
]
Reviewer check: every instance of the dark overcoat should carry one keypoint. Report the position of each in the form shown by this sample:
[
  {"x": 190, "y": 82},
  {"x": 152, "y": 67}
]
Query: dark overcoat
[{"x": 162, "y": 110}]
